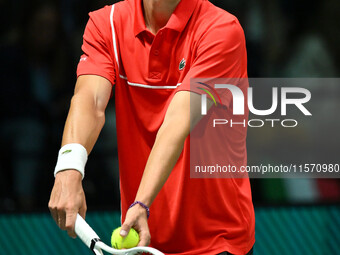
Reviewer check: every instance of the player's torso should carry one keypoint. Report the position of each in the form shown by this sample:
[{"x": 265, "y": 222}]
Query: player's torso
[{"x": 150, "y": 67}]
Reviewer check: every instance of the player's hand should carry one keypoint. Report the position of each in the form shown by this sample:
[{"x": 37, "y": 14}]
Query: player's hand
[
  {"x": 67, "y": 199},
  {"x": 136, "y": 218}
]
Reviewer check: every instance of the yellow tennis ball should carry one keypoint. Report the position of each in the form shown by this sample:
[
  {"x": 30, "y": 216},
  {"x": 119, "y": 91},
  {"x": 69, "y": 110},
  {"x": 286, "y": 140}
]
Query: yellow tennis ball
[{"x": 130, "y": 241}]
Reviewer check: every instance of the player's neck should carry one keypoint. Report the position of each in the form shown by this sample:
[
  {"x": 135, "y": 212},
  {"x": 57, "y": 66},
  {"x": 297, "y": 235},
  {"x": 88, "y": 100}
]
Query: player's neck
[{"x": 158, "y": 12}]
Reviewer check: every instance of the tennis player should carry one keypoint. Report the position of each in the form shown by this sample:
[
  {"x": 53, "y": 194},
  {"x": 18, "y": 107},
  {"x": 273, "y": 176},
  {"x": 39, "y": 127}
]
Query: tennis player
[{"x": 147, "y": 51}]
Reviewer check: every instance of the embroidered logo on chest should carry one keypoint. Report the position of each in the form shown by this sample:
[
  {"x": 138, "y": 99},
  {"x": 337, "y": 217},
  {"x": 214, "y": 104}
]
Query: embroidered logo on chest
[{"x": 182, "y": 64}]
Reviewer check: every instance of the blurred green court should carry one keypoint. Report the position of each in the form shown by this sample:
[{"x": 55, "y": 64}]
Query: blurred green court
[{"x": 279, "y": 230}]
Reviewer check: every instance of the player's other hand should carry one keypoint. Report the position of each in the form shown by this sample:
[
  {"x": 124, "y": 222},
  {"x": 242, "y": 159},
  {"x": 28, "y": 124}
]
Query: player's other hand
[
  {"x": 67, "y": 199},
  {"x": 136, "y": 218}
]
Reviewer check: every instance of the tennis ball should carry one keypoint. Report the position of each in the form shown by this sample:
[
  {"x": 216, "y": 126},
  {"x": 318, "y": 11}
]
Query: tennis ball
[{"x": 119, "y": 242}]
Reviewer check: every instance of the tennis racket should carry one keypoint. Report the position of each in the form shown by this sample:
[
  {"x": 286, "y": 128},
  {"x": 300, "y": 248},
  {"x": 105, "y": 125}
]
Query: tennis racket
[{"x": 92, "y": 240}]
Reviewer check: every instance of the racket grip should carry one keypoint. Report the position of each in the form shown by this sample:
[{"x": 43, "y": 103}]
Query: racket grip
[{"x": 84, "y": 231}]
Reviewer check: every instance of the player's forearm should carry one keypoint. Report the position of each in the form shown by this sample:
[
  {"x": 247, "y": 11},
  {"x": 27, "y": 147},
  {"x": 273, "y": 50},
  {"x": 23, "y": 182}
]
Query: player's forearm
[
  {"x": 163, "y": 157},
  {"x": 84, "y": 122},
  {"x": 87, "y": 112}
]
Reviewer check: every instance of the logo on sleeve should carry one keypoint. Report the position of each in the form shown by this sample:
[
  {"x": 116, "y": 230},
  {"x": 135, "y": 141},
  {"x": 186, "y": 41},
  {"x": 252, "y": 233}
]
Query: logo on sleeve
[
  {"x": 182, "y": 64},
  {"x": 83, "y": 59}
]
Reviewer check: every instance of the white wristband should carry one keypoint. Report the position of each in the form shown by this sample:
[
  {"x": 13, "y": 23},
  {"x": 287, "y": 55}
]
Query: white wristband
[{"x": 71, "y": 156}]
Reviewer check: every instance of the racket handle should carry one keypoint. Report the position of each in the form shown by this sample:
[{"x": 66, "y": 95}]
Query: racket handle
[{"x": 84, "y": 231}]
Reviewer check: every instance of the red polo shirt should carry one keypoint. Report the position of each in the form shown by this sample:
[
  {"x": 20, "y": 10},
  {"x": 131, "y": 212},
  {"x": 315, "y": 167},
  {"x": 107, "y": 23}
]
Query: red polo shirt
[{"x": 189, "y": 216}]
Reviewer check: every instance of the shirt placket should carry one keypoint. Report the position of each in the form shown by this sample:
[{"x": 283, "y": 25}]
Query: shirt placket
[{"x": 158, "y": 56}]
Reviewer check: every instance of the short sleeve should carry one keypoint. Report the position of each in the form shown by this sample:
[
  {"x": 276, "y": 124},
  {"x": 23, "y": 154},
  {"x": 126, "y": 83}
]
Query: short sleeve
[
  {"x": 97, "y": 58},
  {"x": 220, "y": 53}
]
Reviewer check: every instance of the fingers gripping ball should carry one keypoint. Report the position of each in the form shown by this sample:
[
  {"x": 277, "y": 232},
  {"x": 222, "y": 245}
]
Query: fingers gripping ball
[{"x": 119, "y": 242}]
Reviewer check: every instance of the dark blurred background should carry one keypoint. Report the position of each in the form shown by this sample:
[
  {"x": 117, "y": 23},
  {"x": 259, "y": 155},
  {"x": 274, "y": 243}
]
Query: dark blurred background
[
  {"x": 39, "y": 49},
  {"x": 40, "y": 46}
]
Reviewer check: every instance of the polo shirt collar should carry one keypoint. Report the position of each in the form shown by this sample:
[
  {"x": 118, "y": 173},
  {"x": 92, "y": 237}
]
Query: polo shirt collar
[{"x": 177, "y": 21}]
